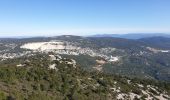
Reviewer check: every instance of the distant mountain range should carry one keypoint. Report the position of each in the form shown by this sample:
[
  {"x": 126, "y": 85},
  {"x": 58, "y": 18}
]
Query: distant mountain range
[{"x": 133, "y": 35}]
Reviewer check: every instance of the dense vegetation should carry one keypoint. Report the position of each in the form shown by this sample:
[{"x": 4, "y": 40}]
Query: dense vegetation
[{"x": 35, "y": 81}]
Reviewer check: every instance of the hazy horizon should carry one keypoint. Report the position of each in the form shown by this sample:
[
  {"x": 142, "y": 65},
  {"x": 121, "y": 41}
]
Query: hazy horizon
[{"x": 32, "y": 36}]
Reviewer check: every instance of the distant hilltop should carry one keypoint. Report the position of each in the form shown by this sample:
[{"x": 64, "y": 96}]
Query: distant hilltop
[
  {"x": 126, "y": 36},
  {"x": 134, "y": 35}
]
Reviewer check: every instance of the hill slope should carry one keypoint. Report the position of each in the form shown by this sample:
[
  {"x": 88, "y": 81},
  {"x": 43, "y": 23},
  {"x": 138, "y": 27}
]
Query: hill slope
[
  {"x": 35, "y": 78},
  {"x": 157, "y": 42},
  {"x": 143, "y": 58}
]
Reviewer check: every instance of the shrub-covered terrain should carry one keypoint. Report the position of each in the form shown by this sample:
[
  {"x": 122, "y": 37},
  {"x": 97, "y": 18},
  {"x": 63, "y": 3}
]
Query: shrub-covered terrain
[{"x": 31, "y": 78}]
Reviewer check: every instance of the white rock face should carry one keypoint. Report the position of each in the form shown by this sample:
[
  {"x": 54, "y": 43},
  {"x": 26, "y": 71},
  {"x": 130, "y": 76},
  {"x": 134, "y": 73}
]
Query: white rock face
[
  {"x": 32, "y": 46},
  {"x": 52, "y": 57},
  {"x": 121, "y": 96},
  {"x": 113, "y": 59},
  {"x": 52, "y": 66},
  {"x": 20, "y": 65},
  {"x": 133, "y": 95},
  {"x": 45, "y": 46},
  {"x": 165, "y": 51},
  {"x": 157, "y": 50},
  {"x": 51, "y": 46}
]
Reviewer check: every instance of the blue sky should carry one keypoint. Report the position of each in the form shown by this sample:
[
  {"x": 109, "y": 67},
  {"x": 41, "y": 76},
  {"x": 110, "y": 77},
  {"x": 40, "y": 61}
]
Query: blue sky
[{"x": 83, "y": 17}]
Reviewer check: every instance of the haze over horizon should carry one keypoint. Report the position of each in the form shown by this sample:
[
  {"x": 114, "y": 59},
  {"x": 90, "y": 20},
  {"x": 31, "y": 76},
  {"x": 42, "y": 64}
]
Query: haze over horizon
[{"x": 83, "y": 17}]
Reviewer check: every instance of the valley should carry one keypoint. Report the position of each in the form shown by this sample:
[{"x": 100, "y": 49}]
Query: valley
[
  {"x": 72, "y": 67},
  {"x": 133, "y": 58}
]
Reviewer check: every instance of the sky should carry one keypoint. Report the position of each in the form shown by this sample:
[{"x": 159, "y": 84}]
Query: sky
[{"x": 83, "y": 17}]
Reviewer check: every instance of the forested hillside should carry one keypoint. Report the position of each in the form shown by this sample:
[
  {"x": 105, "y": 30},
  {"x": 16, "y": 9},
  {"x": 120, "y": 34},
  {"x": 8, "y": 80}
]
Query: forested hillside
[{"x": 33, "y": 78}]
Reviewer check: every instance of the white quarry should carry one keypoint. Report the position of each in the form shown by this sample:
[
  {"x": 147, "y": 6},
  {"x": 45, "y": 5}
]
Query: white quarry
[{"x": 45, "y": 46}]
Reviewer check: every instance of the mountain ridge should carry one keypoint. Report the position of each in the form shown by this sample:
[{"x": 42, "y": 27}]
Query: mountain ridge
[{"x": 133, "y": 35}]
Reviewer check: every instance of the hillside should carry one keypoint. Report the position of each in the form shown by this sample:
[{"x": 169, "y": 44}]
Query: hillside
[
  {"x": 157, "y": 42},
  {"x": 52, "y": 77},
  {"x": 115, "y": 56}
]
